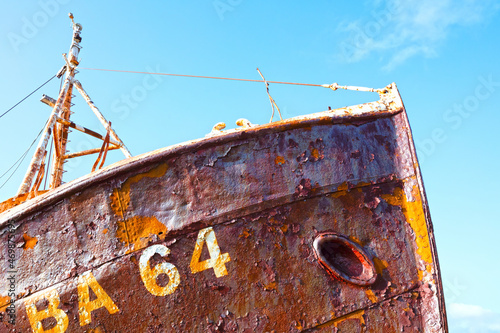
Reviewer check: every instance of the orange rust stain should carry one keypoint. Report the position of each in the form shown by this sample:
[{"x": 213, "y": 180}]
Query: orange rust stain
[
  {"x": 361, "y": 184},
  {"x": 396, "y": 199},
  {"x": 380, "y": 265},
  {"x": 270, "y": 286},
  {"x": 17, "y": 200},
  {"x": 284, "y": 228},
  {"x": 356, "y": 240},
  {"x": 98, "y": 329},
  {"x": 339, "y": 194},
  {"x": 357, "y": 315},
  {"x": 343, "y": 187},
  {"x": 29, "y": 242},
  {"x": 414, "y": 214},
  {"x": 315, "y": 153},
  {"x": 350, "y": 202},
  {"x": 138, "y": 230},
  {"x": 105, "y": 231},
  {"x": 371, "y": 296},
  {"x": 120, "y": 198},
  {"x": 4, "y": 302},
  {"x": 246, "y": 233},
  {"x": 279, "y": 160},
  {"x": 12, "y": 202},
  {"x": 272, "y": 220}
]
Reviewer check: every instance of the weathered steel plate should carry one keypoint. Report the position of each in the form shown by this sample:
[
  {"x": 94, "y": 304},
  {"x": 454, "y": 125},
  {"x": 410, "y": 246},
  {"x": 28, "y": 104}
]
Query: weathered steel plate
[{"x": 217, "y": 235}]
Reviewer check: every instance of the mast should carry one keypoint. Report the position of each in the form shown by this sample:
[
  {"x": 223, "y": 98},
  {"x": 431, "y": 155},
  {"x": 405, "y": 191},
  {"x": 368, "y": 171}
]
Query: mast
[
  {"x": 58, "y": 126},
  {"x": 61, "y": 130}
]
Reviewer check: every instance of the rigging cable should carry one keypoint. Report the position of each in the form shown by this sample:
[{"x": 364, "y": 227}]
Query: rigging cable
[
  {"x": 48, "y": 164},
  {"x": 205, "y": 77},
  {"x": 21, "y": 159},
  {"x": 333, "y": 86},
  {"x": 34, "y": 91}
]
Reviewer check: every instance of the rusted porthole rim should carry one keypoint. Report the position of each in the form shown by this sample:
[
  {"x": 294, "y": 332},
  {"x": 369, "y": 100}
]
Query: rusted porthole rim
[{"x": 356, "y": 248}]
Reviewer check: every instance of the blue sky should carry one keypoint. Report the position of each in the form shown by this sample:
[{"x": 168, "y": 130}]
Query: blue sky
[{"x": 443, "y": 55}]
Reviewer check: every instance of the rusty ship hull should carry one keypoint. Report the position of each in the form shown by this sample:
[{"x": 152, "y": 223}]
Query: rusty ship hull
[{"x": 218, "y": 235}]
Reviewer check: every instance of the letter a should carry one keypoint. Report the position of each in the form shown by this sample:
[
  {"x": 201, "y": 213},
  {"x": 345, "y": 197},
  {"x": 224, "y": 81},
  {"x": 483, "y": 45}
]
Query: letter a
[{"x": 85, "y": 305}]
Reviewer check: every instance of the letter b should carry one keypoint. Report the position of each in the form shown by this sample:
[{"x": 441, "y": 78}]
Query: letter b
[{"x": 36, "y": 316}]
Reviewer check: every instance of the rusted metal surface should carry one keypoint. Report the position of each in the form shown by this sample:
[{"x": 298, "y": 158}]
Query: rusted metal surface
[
  {"x": 60, "y": 135},
  {"x": 88, "y": 152},
  {"x": 218, "y": 235},
  {"x": 41, "y": 150},
  {"x": 335, "y": 86},
  {"x": 86, "y": 131},
  {"x": 48, "y": 100}
]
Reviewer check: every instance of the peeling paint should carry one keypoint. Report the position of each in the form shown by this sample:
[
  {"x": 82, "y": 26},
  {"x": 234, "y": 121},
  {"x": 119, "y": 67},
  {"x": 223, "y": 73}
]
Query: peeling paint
[
  {"x": 414, "y": 214},
  {"x": 29, "y": 242},
  {"x": 4, "y": 303},
  {"x": 371, "y": 296},
  {"x": 279, "y": 160},
  {"x": 356, "y": 315},
  {"x": 120, "y": 198},
  {"x": 380, "y": 265},
  {"x": 17, "y": 200},
  {"x": 139, "y": 230}
]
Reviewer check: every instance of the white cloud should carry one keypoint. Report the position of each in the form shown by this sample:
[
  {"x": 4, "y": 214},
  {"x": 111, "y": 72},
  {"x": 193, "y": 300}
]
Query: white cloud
[
  {"x": 407, "y": 28},
  {"x": 464, "y": 318},
  {"x": 461, "y": 310}
]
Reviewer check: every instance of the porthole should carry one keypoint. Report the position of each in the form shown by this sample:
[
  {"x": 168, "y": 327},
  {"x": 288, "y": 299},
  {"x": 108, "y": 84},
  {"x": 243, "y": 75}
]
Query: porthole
[{"x": 344, "y": 259}]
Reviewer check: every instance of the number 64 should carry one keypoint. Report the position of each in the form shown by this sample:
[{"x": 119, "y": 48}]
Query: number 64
[{"x": 149, "y": 275}]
